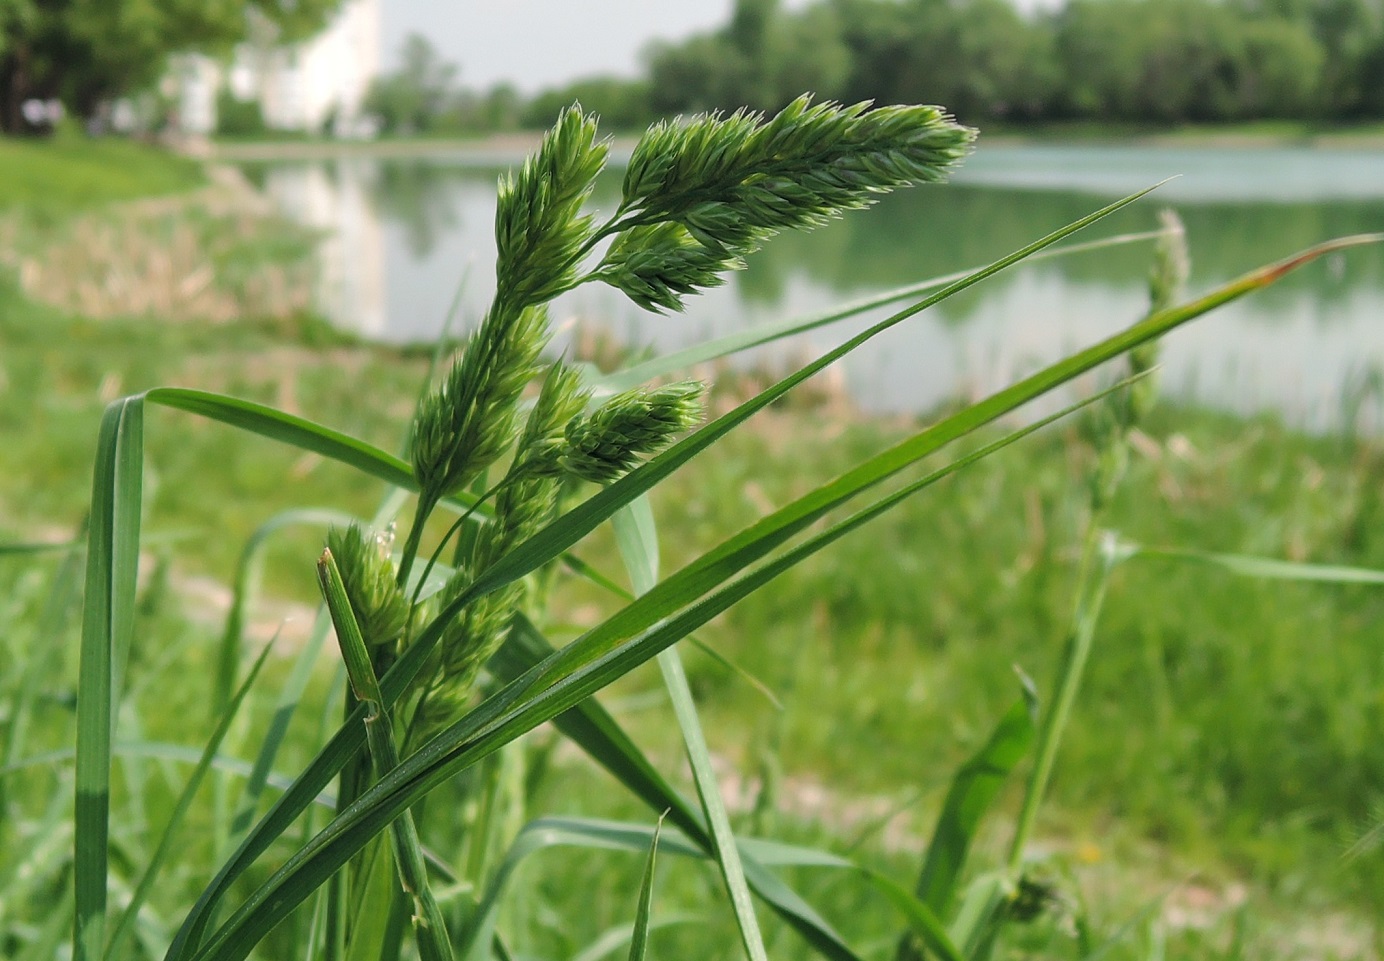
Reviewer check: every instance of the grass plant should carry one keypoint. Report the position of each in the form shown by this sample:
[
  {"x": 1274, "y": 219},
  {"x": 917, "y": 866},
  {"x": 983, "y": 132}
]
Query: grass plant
[{"x": 450, "y": 658}]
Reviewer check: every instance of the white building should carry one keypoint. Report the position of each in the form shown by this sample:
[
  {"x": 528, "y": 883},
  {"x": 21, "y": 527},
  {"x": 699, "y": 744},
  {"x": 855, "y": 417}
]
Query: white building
[
  {"x": 317, "y": 85},
  {"x": 320, "y": 84}
]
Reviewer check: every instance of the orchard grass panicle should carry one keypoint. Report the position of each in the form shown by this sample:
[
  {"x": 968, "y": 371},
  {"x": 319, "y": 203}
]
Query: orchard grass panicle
[{"x": 699, "y": 196}]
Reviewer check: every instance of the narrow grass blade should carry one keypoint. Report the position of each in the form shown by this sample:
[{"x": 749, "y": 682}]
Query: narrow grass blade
[
  {"x": 922, "y": 922},
  {"x": 749, "y": 337},
  {"x": 108, "y": 616},
  {"x": 288, "y": 429},
  {"x": 1263, "y": 568},
  {"x": 163, "y": 751},
  {"x": 637, "y": 539},
  {"x": 639, "y": 939},
  {"x": 613, "y": 939},
  {"x": 38, "y": 547},
  {"x": 474, "y": 943},
  {"x": 975, "y": 925},
  {"x": 243, "y": 587},
  {"x": 972, "y": 791},
  {"x": 1369, "y": 840},
  {"x": 582, "y": 569},
  {"x": 290, "y": 695},
  {"x": 429, "y": 926},
  {"x": 52, "y": 623},
  {"x": 125, "y": 925},
  {"x": 592, "y": 728},
  {"x": 1150, "y": 910},
  {"x": 713, "y": 806},
  {"x": 1098, "y": 559},
  {"x": 600, "y": 834}
]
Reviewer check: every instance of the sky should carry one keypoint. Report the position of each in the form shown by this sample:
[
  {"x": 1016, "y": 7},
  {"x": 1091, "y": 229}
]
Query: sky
[
  {"x": 541, "y": 43},
  {"x": 535, "y": 44}
]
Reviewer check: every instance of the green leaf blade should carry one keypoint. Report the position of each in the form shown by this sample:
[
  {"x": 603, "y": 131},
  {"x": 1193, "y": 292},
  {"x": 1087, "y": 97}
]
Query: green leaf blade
[{"x": 107, "y": 622}]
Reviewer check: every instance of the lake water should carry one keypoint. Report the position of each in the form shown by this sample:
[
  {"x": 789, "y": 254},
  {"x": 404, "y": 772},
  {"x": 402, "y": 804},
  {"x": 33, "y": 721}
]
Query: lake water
[{"x": 402, "y": 236}]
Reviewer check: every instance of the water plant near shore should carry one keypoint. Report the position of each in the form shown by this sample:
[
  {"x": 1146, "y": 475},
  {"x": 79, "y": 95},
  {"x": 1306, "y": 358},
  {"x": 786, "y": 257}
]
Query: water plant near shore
[{"x": 701, "y": 197}]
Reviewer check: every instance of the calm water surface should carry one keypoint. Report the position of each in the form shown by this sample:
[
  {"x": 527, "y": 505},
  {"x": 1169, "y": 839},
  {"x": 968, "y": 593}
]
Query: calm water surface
[{"x": 402, "y": 236}]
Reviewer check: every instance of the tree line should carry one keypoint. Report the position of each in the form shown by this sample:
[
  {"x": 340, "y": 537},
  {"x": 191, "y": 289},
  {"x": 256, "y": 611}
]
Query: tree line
[
  {"x": 1129, "y": 61},
  {"x": 1151, "y": 62},
  {"x": 1136, "y": 61}
]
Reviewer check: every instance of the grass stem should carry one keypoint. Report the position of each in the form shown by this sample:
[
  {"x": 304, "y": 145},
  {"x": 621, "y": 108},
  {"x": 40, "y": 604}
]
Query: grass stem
[
  {"x": 431, "y": 929},
  {"x": 1093, "y": 576}
]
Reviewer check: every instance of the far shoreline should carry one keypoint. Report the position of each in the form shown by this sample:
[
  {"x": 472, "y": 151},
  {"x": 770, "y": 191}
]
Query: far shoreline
[{"x": 506, "y": 148}]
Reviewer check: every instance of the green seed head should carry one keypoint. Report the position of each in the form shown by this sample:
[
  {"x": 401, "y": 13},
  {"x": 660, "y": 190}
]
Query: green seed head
[
  {"x": 471, "y": 419},
  {"x": 539, "y": 231},
  {"x": 656, "y": 266},
  {"x": 369, "y": 575},
  {"x": 1167, "y": 280},
  {"x": 561, "y": 399},
  {"x": 703, "y": 193},
  {"x": 609, "y": 442}
]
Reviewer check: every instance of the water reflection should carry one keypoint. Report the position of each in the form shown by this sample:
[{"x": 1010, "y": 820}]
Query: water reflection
[{"x": 402, "y": 234}]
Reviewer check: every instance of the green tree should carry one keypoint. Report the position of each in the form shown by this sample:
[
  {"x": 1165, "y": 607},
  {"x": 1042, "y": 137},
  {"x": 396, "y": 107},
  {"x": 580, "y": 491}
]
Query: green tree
[
  {"x": 1163, "y": 61},
  {"x": 621, "y": 104},
  {"x": 87, "y": 52},
  {"x": 1348, "y": 32},
  {"x": 1284, "y": 70},
  {"x": 701, "y": 73},
  {"x": 762, "y": 59},
  {"x": 748, "y": 30},
  {"x": 413, "y": 98},
  {"x": 1009, "y": 64},
  {"x": 981, "y": 58},
  {"x": 803, "y": 52},
  {"x": 872, "y": 33},
  {"x": 1370, "y": 74}
]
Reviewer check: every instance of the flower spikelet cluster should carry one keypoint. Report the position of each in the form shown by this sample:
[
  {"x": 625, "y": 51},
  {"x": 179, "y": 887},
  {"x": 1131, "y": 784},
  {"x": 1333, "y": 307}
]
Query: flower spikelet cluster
[
  {"x": 524, "y": 502},
  {"x": 471, "y": 419},
  {"x": 1167, "y": 280},
  {"x": 1124, "y": 411},
  {"x": 657, "y": 265},
  {"x": 610, "y": 441},
  {"x": 540, "y": 233},
  {"x": 730, "y": 182},
  {"x": 369, "y": 576},
  {"x": 464, "y": 426}
]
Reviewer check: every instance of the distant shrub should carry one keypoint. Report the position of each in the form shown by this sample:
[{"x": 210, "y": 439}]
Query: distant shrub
[{"x": 238, "y": 118}]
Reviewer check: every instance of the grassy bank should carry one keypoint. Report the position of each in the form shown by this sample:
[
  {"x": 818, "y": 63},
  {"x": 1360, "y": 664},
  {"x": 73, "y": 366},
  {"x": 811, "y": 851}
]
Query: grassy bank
[
  {"x": 72, "y": 173},
  {"x": 1258, "y": 133},
  {"x": 107, "y": 229}
]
